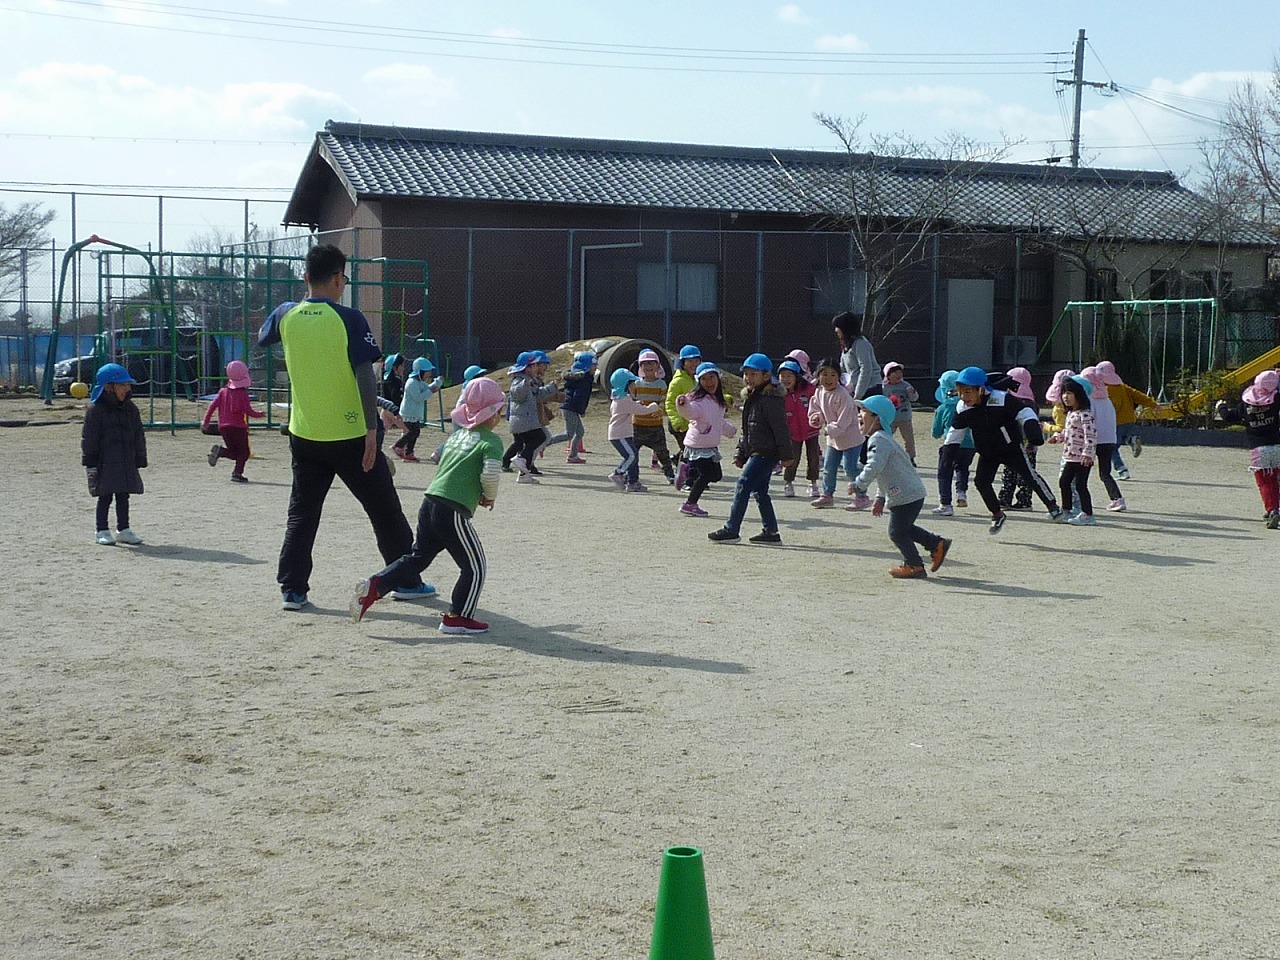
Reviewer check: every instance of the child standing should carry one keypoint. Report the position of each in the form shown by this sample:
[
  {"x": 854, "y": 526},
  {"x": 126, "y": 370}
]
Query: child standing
[
  {"x": 1104, "y": 412},
  {"x": 233, "y": 407},
  {"x": 113, "y": 448},
  {"x": 622, "y": 412},
  {"x": 803, "y": 434},
  {"x": 1259, "y": 410},
  {"x": 527, "y": 435},
  {"x": 763, "y": 443},
  {"x": 651, "y": 388},
  {"x": 413, "y": 406},
  {"x": 956, "y": 453},
  {"x": 1079, "y": 439},
  {"x": 577, "y": 396},
  {"x": 901, "y": 394},
  {"x": 703, "y": 412},
  {"x": 832, "y": 409},
  {"x": 1015, "y": 489},
  {"x": 467, "y": 478},
  {"x": 900, "y": 489}
]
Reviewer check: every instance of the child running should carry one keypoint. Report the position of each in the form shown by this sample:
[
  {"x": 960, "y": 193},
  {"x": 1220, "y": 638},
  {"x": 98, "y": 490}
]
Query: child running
[
  {"x": 467, "y": 478},
  {"x": 1126, "y": 400},
  {"x": 113, "y": 448},
  {"x": 682, "y": 382},
  {"x": 1104, "y": 412},
  {"x": 901, "y": 394},
  {"x": 413, "y": 406},
  {"x": 622, "y": 412},
  {"x": 651, "y": 388},
  {"x": 703, "y": 411},
  {"x": 803, "y": 434},
  {"x": 527, "y": 435},
  {"x": 1079, "y": 439},
  {"x": 999, "y": 424},
  {"x": 1015, "y": 488},
  {"x": 233, "y": 408},
  {"x": 1259, "y": 411},
  {"x": 577, "y": 397},
  {"x": 956, "y": 453},
  {"x": 763, "y": 443},
  {"x": 900, "y": 489},
  {"x": 832, "y": 410}
]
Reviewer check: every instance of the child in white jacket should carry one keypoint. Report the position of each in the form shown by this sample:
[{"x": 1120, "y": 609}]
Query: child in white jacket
[
  {"x": 622, "y": 433},
  {"x": 704, "y": 408},
  {"x": 832, "y": 407}
]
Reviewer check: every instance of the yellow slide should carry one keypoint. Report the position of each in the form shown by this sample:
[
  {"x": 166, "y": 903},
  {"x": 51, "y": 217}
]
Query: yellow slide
[{"x": 1237, "y": 378}]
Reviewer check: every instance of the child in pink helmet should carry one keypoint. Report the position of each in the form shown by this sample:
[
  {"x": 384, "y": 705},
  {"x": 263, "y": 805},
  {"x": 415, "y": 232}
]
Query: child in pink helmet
[
  {"x": 1259, "y": 411},
  {"x": 901, "y": 394},
  {"x": 233, "y": 408}
]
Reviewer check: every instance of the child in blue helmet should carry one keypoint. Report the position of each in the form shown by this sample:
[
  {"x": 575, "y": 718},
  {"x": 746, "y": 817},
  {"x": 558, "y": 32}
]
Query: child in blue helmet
[
  {"x": 577, "y": 396},
  {"x": 889, "y": 466},
  {"x": 956, "y": 453},
  {"x": 763, "y": 443},
  {"x": 683, "y": 381},
  {"x": 623, "y": 407},
  {"x": 113, "y": 448},
  {"x": 703, "y": 410},
  {"x": 528, "y": 410},
  {"x": 413, "y": 406}
]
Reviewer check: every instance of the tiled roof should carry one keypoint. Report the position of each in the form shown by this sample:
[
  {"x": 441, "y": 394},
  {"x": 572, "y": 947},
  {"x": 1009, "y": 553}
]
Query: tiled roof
[{"x": 383, "y": 161}]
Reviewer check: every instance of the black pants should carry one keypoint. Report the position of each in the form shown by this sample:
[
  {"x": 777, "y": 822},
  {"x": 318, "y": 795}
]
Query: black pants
[
  {"x": 122, "y": 511},
  {"x": 525, "y": 444},
  {"x": 315, "y": 464},
  {"x": 1014, "y": 458},
  {"x": 703, "y": 471},
  {"x": 1076, "y": 475},
  {"x": 410, "y": 438},
  {"x": 905, "y": 534},
  {"x": 655, "y": 438},
  {"x": 953, "y": 463},
  {"x": 442, "y": 525},
  {"x": 1103, "y": 459}
]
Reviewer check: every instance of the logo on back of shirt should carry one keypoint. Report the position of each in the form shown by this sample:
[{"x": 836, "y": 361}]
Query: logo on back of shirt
[{"x": 350, "y": 416}]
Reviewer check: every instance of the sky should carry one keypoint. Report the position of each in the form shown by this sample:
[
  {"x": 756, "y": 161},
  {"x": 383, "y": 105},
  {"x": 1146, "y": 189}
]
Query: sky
[{"x": 223, "y": 100}]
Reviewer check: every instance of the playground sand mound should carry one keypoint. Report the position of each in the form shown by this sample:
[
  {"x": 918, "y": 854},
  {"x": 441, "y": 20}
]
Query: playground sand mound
[{"x": 1061, "y": 745}]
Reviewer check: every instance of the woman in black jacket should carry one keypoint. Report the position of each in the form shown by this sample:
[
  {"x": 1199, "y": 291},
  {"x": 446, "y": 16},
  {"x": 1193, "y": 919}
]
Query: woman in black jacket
[{"x": 113, "y": 449}]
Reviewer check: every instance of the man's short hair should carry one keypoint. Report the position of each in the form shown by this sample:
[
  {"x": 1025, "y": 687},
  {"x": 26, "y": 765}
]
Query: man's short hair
[{"x": 323, "y": 261}]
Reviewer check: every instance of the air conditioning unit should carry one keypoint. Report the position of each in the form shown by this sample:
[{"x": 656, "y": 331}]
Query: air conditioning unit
[{"x": 1019, "y": 351}]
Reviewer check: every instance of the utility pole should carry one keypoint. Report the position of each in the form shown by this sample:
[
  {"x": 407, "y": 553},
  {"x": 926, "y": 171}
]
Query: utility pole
[{"x": 1079, "y": 82}]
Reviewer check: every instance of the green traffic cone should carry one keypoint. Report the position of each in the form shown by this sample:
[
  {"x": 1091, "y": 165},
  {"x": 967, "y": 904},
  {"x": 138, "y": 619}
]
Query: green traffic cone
[{"x": 682, "y": 923}]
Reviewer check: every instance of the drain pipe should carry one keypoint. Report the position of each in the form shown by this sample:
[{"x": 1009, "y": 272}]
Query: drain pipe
[{"x": 582, "y": 278}]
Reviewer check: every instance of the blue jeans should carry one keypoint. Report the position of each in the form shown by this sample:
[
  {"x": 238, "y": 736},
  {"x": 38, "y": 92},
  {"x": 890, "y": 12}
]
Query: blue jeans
[
  {"x": 754, "y": 481},
  {"x": 1124, "y": 435},
  {"x": 831, "y": 460},
  {"x": 953, "y": 464}
]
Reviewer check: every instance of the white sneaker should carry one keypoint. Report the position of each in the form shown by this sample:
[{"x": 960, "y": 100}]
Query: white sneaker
[
  {"x": 105, "y": 538},
  {"x": 520, "y": 465},
  {"x": 1117, "y": 505},
  {"x": 814, "y": 491},
  {"x": 1083, "y": 520},
  {"x": 962, "y": 502},
  {"x": 788, "y": 489},
  {"x": 944, "y": 510},
  {"x": 128, "y": 536},
  {"x": 526, "y": 478}
]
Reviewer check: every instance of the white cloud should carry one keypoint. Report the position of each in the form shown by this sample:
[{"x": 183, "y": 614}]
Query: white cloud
[
  {"x": 926, "y": 95},
  {"x": 845, "y": 43},
  {"x": 791, "y": 13},
  {"x": 411, "y": 81}
]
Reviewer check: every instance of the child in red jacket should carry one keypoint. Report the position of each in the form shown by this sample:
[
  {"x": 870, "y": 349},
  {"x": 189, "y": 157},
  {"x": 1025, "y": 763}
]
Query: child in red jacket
[
  {"x": 799, "y": 392},
  {"x": 233, "y": 408}
]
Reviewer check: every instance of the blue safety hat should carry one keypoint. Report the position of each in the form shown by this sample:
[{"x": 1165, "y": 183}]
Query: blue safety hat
[
  {"x": 707, "y": 367},
  {"x": 473, "y": 371},
  {"x": 946, "y": 383},
  {"x": 792, "y": 366},
  {"x": 109, "y": 373},
  {"x": 387, "y": 364},
  {"x": 584, "y": 361},
  {"x": 423, "y": 365},
  {"x": 758, "y": 361},
  {"x": 522, "y": 361},
  {"x": 618, "y": 381},
  {"x": 540, "y": 356},
  {"x": 972, "y": 377},
  {"x": 882, "y": 407},
  {"x": 690, "y": 352}
]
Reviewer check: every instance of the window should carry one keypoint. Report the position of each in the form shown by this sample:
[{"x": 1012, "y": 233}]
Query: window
[
  {"x": 693, "y": 287},
  {"x": 835, "y": 291},
  {"x": 1102, "y": 285},
  {"x": 1034, "y": 286}
]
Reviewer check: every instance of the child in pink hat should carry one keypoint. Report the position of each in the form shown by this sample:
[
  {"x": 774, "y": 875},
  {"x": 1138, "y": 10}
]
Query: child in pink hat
[
  {"x": 1126, "y": 400},
  {"x": 233, "y": 408},
  {"x": 1104, "y": 413},
  {"x": 1259, "y": 411},
  {"x": 901, "y": 394}
]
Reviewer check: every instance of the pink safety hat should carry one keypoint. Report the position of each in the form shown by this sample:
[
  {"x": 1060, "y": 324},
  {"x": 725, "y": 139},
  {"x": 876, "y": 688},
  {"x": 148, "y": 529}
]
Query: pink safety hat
[
  {"x": 1262, "y": 392},
  {"x": 891, "y": 366},
  {"x": 238, "y": 374},
  {"x": 480, "y": 399},
  {"x": 1022, "y": 377},
  {"x": 1108, "y": 371},
  {"x": 800, "y": 357},
  {"x": 1054, "y": 393},
  {"x": 1095, "y": 380},
  {"x": 647, "y": 356}
]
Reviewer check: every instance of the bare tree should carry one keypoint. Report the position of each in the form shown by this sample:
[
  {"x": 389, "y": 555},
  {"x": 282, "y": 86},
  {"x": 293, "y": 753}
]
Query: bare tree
[
  {"x": 1252, "y": 125},
  {"x": 893, "y": 195},
  {"x": 22, "y": 227}
]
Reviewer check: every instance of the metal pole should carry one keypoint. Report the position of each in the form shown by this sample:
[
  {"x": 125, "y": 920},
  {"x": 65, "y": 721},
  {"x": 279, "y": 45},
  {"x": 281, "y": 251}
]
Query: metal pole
[
  {"x": 669, "y": 289},
  {"x": 470, "y": 279},
  {"x": 568, "y": 289},
  {"x": 933, "y": 302},
  {"x": 160, "y": 222},
  {"x": 1077, "y": 78},
  {"x": 759, "y": 289}
]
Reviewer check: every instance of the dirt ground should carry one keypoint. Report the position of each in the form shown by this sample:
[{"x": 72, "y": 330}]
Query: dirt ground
[{"x": 1063, "y": 745}]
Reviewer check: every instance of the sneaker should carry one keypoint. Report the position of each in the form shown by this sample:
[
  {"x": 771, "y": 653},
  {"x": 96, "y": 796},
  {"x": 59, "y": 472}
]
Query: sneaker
[
  {"x": 365, "y": 596},
  {"x": 788, "y": 489},
  {"x": 400, "y": 453},
  {"x": 778, "y": 469},
  {"x": 520, "y": 464},
  {"x": 1273, "y": 520},
  {"x": 1083, "y": 520},
  {"x": 619, "y": 480},
  {"x": 239, "y": 478},
  {"x": 1055, "y": 512},
  {"x": 766, "y": 536},
  {"x": 409, "y": 458},
  {"x": 506, "y": 468},
  {"x": 105, "y": 538},
  {"x": 575, "y": 460},
  {"x": 1123, "y": 474},
  {"x": 1117, "y": 505},
  {"x": 423, "y": 589},
  {"x": 535, "y": 471},
  {"x": 1020, "y": 506},
  {"x": 814, "y": 491},
  {"x": 653, "y": 464},
  {"x": 213, "y": 454},
  {"x": 997, "y": 523},
  {"x": 294, "y": 600},
  {"x": 692, "y": 510},
  {"x": 671, "y": 479},
  {"x": 636, "y": 487},
  {"x": 723, "y": 536},
  {"x": 434, "y": 458},
  {"x": 944, "y": 510},
  {"x": 128, "y": 536},
  {"x": 907, "y": 572},
  {"x": 526, "y": 478},
  {"x": 938, "y": 554},
  {"x": 450, "y": 623},
  {"x": 1135, "y": 443},
  {"x": 962, "y": 502},
  {"x": 682, "y": 475},
  {"x": 822, "y": 501},
  {"x": 859, "y": 502}
]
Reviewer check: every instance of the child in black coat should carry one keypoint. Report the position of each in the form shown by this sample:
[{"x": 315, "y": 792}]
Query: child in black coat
[{"x": 113, "y": 449}]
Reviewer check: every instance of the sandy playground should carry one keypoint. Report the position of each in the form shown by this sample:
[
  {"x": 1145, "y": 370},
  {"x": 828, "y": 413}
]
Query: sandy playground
[{"x": 1063, "y": 745}]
